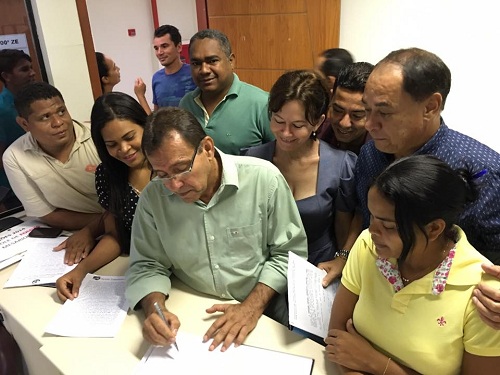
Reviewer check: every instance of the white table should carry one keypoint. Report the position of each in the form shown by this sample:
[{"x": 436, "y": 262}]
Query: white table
[{"x": 28, "y": 310}]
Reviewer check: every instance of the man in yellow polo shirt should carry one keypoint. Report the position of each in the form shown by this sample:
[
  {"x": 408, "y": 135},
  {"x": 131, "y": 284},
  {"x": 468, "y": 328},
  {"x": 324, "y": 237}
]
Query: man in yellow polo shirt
[{"x": 51, "y": 167}]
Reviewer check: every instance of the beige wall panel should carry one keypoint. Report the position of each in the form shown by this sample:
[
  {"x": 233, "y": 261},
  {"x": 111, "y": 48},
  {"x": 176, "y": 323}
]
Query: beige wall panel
[
  {"x": 270, "y": 41},
  {"x": 324, "y": 24},
  {"x": 271, "y": 36},
  {"x": 239, "y": 7},
  {"x": 260, "y": 78}
]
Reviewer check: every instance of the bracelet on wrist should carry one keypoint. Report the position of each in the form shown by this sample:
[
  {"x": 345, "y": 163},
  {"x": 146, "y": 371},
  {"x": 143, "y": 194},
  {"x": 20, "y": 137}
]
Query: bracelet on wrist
[
  {"x": 386, "y": 365},
  {"x": 344, "y": 254}
]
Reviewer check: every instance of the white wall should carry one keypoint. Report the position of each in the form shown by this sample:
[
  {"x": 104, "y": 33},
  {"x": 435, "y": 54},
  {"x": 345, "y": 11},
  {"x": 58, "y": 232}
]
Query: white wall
[
  {"x": 464, "y": 34},
  {"x": 181, "y": 14},
  {"x": 110, "y": 21},
  {"x": 63, "y": 54},
  {"x": 133, "y": 54}
]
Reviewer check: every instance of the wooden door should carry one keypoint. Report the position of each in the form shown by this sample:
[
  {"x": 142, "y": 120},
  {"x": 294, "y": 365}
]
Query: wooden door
[{"x": 269, "y": 37}]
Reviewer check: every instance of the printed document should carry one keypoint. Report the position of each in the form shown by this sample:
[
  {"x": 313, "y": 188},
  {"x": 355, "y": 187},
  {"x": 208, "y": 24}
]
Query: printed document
[
  {"x": 13, "y": 244},
  {"x": 98, "y": 311},
  {"x": 194, "y": 357},
  {"x": 309, "y": 303},
  {"x": 40, "y": 264}
]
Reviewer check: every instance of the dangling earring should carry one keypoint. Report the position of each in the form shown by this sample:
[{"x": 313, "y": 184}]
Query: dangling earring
[{"x": 313, "y": 135}]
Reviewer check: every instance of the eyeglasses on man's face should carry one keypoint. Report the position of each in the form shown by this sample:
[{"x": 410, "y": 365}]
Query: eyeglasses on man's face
[{"x": 166, "y": 178}]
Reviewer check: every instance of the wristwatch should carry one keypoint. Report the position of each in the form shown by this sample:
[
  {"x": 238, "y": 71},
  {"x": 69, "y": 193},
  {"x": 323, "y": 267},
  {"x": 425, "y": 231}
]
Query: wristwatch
[{"x": 344, "y": 254}]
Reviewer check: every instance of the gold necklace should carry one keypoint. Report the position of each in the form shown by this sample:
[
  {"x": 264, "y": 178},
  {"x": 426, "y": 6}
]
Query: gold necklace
[
  {"x": 419, "y": 275},
  {"x": 407, "y": 281},
  {"x": 137, "y": 191}
]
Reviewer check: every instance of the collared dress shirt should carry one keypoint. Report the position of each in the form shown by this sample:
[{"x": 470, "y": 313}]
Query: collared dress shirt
[
  {"x": 42, "y": 183},
  {"x": 418, "y": 328},
  {"x": 480, "y": 219},
  {"x": 223, "y": 248}
]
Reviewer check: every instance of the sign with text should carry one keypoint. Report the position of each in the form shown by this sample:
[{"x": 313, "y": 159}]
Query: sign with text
[{"x": 14, "y": 41}]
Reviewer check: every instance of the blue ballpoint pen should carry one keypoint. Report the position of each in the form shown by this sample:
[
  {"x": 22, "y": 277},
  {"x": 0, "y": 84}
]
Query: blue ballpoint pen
[{"x": 158, "y": 310}]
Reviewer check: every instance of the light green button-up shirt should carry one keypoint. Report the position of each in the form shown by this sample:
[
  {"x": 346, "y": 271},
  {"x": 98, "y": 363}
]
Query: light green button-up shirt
[{"x": 223, "y": 248}]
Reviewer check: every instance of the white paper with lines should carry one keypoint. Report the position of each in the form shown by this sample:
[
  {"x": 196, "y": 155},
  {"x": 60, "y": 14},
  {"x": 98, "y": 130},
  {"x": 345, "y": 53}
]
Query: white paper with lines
[
  {"x": 40, "y": 264},
  {"x": 309, "y": 303}
]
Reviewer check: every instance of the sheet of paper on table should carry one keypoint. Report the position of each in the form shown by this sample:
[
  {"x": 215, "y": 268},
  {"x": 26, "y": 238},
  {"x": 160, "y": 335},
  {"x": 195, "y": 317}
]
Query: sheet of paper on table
[
  {"x": 309, "y": 303},
  {"x": 13, "y": 244},
  {"x": 98, "y": 311},
  {"x": 40, "y": 264},
  {"x": 13, "y": 259},
  {"x": 194, "y": 357}
]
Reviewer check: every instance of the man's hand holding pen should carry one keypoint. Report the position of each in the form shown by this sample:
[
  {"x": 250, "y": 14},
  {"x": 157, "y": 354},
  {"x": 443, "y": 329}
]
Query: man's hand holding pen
[
  {"x": 233, "y": 326},
  {"x": 162, "y": 316},
  {"x": 157, "y": 330}
]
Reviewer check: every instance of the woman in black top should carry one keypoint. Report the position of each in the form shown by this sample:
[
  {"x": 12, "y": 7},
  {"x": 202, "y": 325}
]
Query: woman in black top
[{"x": 117, "y": 123}]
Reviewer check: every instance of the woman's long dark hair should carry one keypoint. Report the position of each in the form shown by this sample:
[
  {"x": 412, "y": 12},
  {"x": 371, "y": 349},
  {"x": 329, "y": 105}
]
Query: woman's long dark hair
[{"x": 108, "y": 107}]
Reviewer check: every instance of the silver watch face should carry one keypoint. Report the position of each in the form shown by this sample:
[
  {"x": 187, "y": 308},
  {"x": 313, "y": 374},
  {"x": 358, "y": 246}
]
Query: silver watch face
[{"x": 342, "y": 253}]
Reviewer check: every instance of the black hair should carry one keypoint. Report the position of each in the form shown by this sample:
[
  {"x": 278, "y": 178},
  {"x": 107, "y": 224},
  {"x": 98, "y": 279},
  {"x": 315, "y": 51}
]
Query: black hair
[
  {"x": 9, "y": 58},
  {"x": 353, "y": 77},
  {"x": 335, "y": 59},
  {"x": 166, "y": 120},
  {"x": 217, "y": 35},
  {"x": 108, "y": 107},
  {"x": 101, "y": 67},
  {"x": 306, "y": 86},
  {"x": 173, "y": 31},
  {"x": 31, "y": 93},
  {"x": 423, "y": 72},
  {"x": 423, "y": 188}
]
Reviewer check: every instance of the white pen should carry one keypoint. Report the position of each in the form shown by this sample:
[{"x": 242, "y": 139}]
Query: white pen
[{"x": 158, "y": 310}]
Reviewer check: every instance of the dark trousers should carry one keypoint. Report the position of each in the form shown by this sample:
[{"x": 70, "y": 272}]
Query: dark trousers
[{"x": 10, "y": 355}]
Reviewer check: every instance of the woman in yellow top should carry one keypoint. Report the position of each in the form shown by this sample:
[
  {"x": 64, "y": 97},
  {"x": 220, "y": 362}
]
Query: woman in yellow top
[{"x": 405, "y": 302}]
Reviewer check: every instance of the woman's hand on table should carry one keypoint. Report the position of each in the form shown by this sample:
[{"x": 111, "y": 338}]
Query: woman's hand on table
[
  {"x": 68, "y": 285},
  {"x": 77, "y": 246}
]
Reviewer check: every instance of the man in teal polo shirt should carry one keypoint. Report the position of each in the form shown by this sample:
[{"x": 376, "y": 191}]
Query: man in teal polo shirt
[
  {"x": 16, "y": 72},
  {"x": 233, "y": 113}
]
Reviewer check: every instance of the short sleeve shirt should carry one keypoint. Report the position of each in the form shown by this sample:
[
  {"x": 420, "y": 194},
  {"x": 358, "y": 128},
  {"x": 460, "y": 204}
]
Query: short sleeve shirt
[
  {"x": 417, "y": 328},
  {"x": 168, "y": 89},
  {"x": 43, "y": 183}
]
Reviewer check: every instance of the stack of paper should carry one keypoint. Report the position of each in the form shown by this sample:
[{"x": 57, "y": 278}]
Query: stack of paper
[
  {"x": 13, "y": 244},
  {"x": 41, "y": 265},
  {"x": 98, "y": 311}
]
